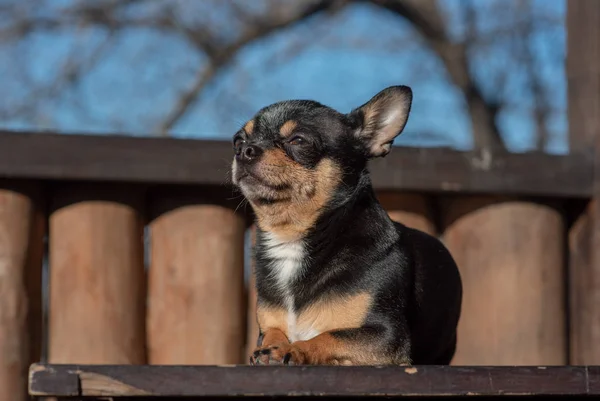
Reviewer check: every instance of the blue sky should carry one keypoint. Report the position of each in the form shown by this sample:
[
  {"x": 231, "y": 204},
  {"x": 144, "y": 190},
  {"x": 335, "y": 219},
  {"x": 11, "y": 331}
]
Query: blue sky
[{"x": 340, "y": 62}]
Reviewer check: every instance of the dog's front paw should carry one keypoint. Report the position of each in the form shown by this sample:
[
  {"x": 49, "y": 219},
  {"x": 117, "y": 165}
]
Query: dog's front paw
[{"x": 278, "y": 354}]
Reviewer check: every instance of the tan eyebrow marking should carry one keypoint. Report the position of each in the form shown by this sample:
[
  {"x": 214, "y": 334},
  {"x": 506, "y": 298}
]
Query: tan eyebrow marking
[
  {"x": 249, "y": 127},
  {"x": 287, "y": 128}
]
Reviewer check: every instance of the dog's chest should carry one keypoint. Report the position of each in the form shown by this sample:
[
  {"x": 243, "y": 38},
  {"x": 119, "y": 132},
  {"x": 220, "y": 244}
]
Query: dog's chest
[{"x": 286, "y": 265}]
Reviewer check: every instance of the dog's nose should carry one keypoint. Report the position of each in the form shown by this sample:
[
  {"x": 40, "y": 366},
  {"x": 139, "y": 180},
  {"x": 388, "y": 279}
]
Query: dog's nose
[{"x": 249, "y": 153}]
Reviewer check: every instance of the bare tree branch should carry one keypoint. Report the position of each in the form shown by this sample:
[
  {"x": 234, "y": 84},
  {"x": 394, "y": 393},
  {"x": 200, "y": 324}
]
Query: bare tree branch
[
  {"x": 100, "y": 14},
  {"x": 186, "y": 99},
  {"x": 106, "y": 14},
  {"x": 482, "y": 88},
  {"x": 257, "y": 30},
  {"x": 73, "y": 68},
  {"x": 534, "y": 81},
  {"x": 427, "y": 19}
]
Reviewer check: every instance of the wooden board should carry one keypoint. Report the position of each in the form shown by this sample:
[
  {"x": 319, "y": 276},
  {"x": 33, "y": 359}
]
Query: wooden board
[
  {"x": 97, "y": 282},
  {"x": 189, "y": 381},
  {"x": 583, "y": 73},
  {"x": 164, "y": 160},
  {"x": 196, "y": 311},
  {"x": 21, "y": 249},
  {"x": 511, "y": 258}
]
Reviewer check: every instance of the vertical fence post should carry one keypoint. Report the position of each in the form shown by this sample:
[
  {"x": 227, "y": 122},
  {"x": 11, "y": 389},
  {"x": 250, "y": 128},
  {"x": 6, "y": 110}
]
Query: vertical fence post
[
  {"x": 583, "y": 73},
  {"x": 96, "y": 276},
  {"x": 21, "y": 253},
  {"x": 511, "y": 257},
  {"x": 196, "y": 309}
]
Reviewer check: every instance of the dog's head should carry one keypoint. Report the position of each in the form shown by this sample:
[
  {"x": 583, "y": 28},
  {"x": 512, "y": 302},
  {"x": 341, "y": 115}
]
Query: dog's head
[{"x": 294, "y": 156}]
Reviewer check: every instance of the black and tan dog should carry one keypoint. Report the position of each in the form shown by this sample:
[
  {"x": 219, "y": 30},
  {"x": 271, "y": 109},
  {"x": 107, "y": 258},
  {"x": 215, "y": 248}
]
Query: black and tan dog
[{"x": 338, "y": 282}]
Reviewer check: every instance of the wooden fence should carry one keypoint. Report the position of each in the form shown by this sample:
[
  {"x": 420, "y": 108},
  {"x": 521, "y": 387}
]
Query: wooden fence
[
  {"x": 524, "y": 229},
  {"x": 93, "y": 196}
]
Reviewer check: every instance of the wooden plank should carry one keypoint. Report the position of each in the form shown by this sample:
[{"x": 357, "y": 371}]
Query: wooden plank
[
  {"x": 593, "y": 379},
  {"x": 49, "y": 381},
  {"x": 448, "y": 171},
  {"x": 188, "y": 381},
  {"x": 97, "y": 282},
  {"x": 21, "y": 250},
  {"x": 510, "y": 254},
  {"x": 583, "y": 73},
  {"x": 164, "y": 160},
  {"x": 196, "y": 310}
]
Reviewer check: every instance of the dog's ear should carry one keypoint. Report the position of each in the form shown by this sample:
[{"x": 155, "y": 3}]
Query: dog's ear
[{"x": 382, "y": 119}]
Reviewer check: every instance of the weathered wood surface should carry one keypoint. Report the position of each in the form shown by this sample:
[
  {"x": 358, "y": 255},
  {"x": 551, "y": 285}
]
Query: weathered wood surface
[
  {"x": 21, "y": 248},
  {"x": 196, "y": 310},
  {"x": 97, "y": 282},
  {"x": 165, "y": 160},
  {"x": 119, "y": 381},
  {"x": 511, "y": 257},
  {"x": 583, "y": 73}
]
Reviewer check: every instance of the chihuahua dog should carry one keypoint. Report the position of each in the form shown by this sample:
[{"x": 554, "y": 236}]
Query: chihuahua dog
[{"x": 338, "y": 282}]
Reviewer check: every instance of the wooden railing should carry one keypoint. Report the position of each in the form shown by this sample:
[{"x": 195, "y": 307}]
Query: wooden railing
[
  {"x": 524, "y": 229},
  {"x": 505, "y": 220},
  {"x": 196, "y": 382}
]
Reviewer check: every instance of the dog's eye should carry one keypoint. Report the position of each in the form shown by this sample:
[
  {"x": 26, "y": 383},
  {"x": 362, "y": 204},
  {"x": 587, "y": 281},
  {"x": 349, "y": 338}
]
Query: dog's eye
[{"x": 297, "y": 140}]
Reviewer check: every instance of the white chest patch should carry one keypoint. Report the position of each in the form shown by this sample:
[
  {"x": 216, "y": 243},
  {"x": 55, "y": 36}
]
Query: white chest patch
[{"x": 286, "y": 265}]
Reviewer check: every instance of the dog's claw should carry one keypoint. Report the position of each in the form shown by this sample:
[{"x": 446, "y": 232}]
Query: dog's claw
[
  {"x": 264, "y": 356},
  {"x": 275, "y": 355}
]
